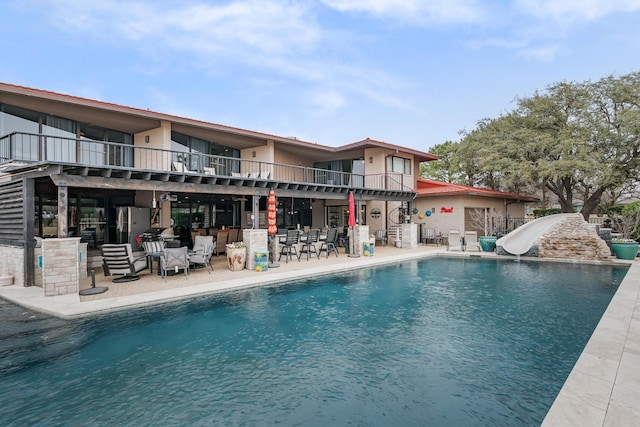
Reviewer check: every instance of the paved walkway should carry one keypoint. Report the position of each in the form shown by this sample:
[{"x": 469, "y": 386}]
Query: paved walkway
[{"x": 602, "y": 390}]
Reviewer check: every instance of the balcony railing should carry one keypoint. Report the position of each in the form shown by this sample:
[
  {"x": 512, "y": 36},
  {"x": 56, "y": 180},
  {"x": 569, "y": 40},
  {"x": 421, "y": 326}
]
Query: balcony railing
[{"x": 37, "y": 148}]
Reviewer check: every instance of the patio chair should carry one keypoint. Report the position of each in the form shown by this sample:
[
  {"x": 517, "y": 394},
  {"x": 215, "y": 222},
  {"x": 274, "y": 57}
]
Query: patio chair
[
  {"x": 232, "y": 237},
  {"x": 221, "y": 242},
  {"x": 175, "y": 259},
  {"x": 181, "y": 167},
  {"x": 471, "y": 240},
  {"x": 200, "y": 242},
  {"x": 429, "y": 234},
  {"x": 381, "y": 236},
  {"x": 152, "y": 249},
  {"x": 342, "y": 237},
  {"x": 117, "y": 259},
  {"x": 288, "y": 248},
  {"x": 454, "y": 241},
  {"x": 309, "y": 246},
  {"x": 203, "y": 257},
  {"x": 329, "y": 244}
]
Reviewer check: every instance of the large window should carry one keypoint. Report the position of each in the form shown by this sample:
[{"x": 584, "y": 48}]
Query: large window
[
  {"x": 192, "y": 147},
  {"x": 399, "y": 165}
]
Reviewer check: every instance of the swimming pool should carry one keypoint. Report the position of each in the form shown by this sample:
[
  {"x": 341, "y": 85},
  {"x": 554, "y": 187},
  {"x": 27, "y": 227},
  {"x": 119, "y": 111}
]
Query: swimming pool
[{"x": 435, "y": 342}]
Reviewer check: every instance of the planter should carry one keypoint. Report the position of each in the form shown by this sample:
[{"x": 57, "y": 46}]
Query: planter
[
  {"x": 625, "y": 250},
  {"x": 236, "y": 258},
  {"x": 488, "y": 243}
]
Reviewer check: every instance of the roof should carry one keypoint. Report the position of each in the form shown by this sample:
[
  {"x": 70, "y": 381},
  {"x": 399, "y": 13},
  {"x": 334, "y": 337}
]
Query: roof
[
  {"x": 370, "y": 143},
  {"x": 144, "y": 116},
  {"x": 431, "y": 188}
]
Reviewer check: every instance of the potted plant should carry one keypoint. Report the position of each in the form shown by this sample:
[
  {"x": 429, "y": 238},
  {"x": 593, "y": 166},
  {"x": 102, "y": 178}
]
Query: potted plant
[
  {"x": 628, "y": 224},
  {"x": 625, "y": 248},
  {"x": 236, "y": 255}
]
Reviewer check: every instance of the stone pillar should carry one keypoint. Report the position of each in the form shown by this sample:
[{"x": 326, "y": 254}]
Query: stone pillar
[
  {"x": 357, "y": 238},
  {"x": 61, "y": 266},
  {"x": 256, "y": 241},
  {"x": 409, "y": 234}
]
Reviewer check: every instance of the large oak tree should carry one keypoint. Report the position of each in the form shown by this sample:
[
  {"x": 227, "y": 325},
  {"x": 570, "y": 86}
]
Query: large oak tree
[{"x": 578, "y": 140}]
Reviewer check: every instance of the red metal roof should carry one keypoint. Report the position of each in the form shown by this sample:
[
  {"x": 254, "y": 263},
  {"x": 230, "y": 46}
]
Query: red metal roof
[{"x": 431, "y": 188}]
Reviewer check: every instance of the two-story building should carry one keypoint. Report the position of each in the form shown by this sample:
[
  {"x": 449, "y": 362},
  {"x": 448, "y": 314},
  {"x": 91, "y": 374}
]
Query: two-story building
[{"x": 71, "y": 166}]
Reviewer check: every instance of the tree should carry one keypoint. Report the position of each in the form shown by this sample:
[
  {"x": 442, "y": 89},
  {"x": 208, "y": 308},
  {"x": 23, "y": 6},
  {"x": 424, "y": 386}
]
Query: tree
[
  {"x": 447, "y": 168},
  {"x": 578, "y": 140}
]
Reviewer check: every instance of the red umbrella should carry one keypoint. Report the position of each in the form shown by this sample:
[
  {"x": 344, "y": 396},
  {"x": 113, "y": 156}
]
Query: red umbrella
[
  {"x": 352, "y": 211},
  {"x": 271, "y": 213},
  {"x": 352, "y": 223}
]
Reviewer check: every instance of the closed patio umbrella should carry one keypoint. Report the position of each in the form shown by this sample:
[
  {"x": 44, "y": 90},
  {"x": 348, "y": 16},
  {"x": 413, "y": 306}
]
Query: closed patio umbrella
[
  {"x": 352, "y": 223},
  {"x": 272, "y": 228}
]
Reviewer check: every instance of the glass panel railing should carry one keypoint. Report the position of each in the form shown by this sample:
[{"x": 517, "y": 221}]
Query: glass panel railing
[{"x": 46, "y": 148}]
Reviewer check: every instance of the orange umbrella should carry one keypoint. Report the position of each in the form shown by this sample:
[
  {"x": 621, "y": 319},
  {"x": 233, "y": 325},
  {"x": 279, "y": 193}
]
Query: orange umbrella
[
  {"x": 352, "y": 211},
  {"x": 271, "y": 213}
]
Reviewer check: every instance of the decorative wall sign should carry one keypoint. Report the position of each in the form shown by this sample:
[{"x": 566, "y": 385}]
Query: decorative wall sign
[
  {"x": 428, "y": 213},
  {"x": 446, "y": 210}
]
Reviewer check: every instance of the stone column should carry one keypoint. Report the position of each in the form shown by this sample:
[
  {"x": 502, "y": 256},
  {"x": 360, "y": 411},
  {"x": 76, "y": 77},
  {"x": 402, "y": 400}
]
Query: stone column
[
  {"x": 409, "y": 234},
  {"x": 61, "y": 266},
  {"x": 256, "y": 241}
]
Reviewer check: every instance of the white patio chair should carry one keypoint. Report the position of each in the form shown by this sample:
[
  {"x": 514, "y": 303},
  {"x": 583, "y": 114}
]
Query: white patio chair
[
  {"x": 454, "y": 241},
  {"x": 471, "y": 240}
]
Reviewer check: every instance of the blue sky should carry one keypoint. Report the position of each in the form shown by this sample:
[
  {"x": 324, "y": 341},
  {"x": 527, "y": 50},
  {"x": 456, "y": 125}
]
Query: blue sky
[{"x": 408, "y": 72}]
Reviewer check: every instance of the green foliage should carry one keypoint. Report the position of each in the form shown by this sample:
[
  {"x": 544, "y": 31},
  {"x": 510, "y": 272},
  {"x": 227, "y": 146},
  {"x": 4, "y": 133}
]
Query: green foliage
[
  {"x": 447, "y": 168},
  {"x": 578, "y": 140}
]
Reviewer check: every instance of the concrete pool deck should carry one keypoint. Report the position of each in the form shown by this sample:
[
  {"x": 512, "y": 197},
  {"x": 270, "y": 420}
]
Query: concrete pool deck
[{"x": 602, "y": 390}]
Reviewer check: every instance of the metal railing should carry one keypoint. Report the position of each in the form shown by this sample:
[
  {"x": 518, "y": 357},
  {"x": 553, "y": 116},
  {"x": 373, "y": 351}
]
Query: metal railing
[{"x": 39, "y": 148}]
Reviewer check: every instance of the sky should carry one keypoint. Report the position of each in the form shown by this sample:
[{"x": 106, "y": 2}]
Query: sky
[{"x": 413, "y": 73}]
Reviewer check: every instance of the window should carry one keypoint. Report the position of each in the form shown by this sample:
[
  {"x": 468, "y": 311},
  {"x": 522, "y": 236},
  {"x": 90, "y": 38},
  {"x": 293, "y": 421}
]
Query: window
[{"x": 399, "y": 165}]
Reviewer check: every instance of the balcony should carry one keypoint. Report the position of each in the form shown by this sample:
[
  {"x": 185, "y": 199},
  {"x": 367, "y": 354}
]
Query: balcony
[{"x": 88, "y": 163}]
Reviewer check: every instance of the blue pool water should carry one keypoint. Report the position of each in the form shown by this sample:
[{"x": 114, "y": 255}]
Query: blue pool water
[{"x": 437, "y": 342}]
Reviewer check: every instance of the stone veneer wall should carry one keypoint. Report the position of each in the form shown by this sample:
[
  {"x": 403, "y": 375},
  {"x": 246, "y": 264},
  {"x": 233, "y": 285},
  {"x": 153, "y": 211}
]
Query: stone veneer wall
[
  {"x": 409, "y": 236},
  {"x": 256, "y": 240},
  {"x": 12, "y": 258},
  {"x": 573, "y": 238},
  {"x": 61, "y": 266}
]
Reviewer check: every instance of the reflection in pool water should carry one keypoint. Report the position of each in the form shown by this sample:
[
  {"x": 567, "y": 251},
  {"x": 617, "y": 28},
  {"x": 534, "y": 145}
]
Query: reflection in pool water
[{"x": 434, "y": 342}]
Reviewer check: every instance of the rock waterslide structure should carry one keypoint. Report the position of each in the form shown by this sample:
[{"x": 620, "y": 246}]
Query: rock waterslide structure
[{"x": 556, "y": 236}]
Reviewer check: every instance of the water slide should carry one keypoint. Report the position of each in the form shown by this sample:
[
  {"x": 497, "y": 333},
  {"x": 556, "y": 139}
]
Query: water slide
[{"x": 520, "y": 240}]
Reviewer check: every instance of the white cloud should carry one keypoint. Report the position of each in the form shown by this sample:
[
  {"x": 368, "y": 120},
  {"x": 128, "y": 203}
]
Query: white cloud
[
  {"x": 573, "y": 10},
  {"x": 264, "y": 25},
  {"x": 419, "y": 11}
]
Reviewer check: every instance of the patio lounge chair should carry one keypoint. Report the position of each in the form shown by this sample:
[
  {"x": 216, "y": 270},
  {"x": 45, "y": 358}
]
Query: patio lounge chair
[
  {"x": 175, "y": 259},
  {"x": 471, "y": 240},
  {"x": 117, "y": 259},
  {"x": 180, "y": 167},
  {"x": 200, "y": 242},
  {"x": 329, "y": 244},
  {"x": 203, "y": 257},
  {"x": 454, "y": 241}
]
